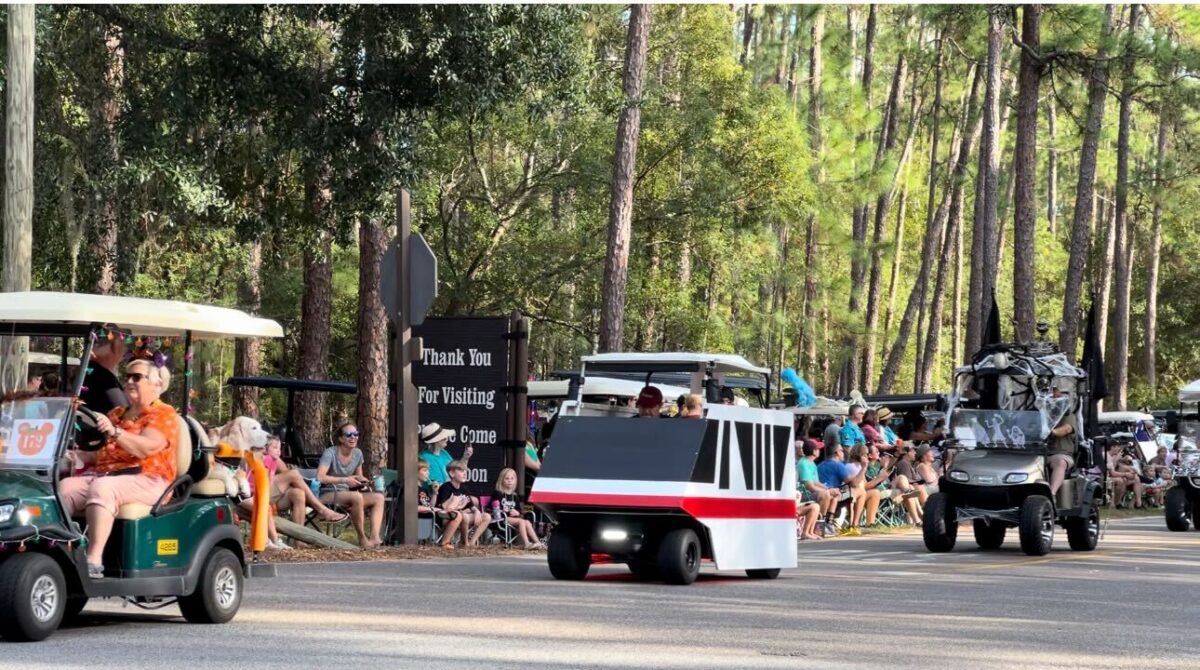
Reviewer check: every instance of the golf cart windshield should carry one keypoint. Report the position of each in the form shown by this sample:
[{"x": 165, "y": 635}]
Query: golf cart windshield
[
  {"x": 998, "y": 429},
  {"x": 30, "y": 430}
]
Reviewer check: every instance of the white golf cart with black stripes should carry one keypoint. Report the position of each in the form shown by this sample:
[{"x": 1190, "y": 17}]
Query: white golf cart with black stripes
[{"x": 664, "y": 494}]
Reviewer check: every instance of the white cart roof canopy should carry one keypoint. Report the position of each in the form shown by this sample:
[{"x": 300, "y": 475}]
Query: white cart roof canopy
[
  {"x": 41, "y": 358},
  {"x": 678, "y": 361},
  {"x": 1190, "y": 393},
  {"x": 1123, "y": 417},
  {"x": 620, "y": 388},
  {"x": 142, "y": 316}
]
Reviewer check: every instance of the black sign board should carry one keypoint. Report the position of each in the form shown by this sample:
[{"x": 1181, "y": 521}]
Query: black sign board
[{"x": 460, "y": 382}]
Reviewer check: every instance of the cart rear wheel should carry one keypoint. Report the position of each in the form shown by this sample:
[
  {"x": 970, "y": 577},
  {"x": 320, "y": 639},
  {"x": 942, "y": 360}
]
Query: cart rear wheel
[
  {"x": 989, "y": 535},
  {"x": 33, "y": 597},
  {"x": 218, "y": 595},
  {"x": 1037, "y": 525},
  {"x": 1083, "y": 533},
  {"x": 679, "y": 556},
  {"x": 1176, "y": 509},
  {"x": 940, "y": 525},
  {"x": 763, "y": 573},
  {"x": 568, "y": 557}
]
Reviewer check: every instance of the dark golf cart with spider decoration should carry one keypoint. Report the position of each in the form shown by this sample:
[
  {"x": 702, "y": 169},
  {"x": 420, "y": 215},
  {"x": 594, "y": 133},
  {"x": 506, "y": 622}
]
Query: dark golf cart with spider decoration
[
  {"x": 999, "y": 420},
  {"x": 1183, "y": 499}
]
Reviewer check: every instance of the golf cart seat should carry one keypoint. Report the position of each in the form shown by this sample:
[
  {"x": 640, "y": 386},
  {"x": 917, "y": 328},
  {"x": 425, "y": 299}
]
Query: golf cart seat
[
  {"x": 183, "y": 463},
  {"x": 209, "y": 483}
]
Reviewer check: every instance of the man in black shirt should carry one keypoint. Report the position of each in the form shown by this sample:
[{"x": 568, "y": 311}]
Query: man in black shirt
[{"x": 102, "y": 391}]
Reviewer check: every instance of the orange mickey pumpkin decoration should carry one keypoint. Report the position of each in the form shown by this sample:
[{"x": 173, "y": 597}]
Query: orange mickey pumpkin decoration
[{"x": 32, "y": 440}]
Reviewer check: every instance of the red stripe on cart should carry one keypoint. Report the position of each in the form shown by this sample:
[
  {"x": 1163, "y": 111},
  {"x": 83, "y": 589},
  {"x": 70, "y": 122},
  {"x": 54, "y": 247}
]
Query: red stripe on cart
[{"x": 701, "y": 508}]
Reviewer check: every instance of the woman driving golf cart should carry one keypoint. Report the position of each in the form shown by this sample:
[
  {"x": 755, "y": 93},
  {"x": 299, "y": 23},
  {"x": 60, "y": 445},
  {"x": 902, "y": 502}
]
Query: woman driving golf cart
[{"x": 135, "y": 466}]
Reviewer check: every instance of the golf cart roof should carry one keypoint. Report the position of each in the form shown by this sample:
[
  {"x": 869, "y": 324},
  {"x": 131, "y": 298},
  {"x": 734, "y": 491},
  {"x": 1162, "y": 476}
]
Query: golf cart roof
[
  {"x": 1190, "y": 393},
  {"x": 295, "y": 384},
  {"x": 682, "y": 379},
  {"x": 1123, "y": 417},
  {"x": 675, "y": 361},
  {"x": 823, "y": 407},
  {"x": 142, "y": 316},
  {"x": 602, "y": 386},
  {"x": 1021, "y": 360},
  {"x": 40, "y": 358}
]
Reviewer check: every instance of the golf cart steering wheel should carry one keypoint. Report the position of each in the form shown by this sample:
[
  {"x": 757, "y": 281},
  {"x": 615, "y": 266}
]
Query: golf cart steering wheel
[{"x": 88, "y": 437}]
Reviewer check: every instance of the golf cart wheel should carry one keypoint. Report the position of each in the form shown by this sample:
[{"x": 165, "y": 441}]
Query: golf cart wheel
[
  {"x": 644, "y": 570},
  {"x": 940, "y": 525},
  {"x": 568, "y": 557},
  {"x": 33, "y": 597},
  {"x": 1084, "y": 532},
  {"x": 763, "y": 573},
  {"x": 1176, "y": 509},
  {"x": 989, "y": 536},
  {"x": 679, "y": 556},
  {"x": 1037, "y": 525},
  {"x": 218, "y": 594}
]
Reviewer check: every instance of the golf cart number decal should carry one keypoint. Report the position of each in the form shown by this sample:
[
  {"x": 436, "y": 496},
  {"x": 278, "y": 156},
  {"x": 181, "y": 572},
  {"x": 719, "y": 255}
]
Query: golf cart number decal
[
  {"x": 30, "y": 441},
  {"x": 168, "y": 547}
]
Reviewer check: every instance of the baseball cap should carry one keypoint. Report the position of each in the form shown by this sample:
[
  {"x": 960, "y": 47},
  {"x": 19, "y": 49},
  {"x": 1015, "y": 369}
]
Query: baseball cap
[{"x": 649, "y": 396}]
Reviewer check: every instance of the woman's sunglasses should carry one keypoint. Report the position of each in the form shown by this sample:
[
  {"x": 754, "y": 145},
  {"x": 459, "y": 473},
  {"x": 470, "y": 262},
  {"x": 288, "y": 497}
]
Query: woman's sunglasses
[
  {"x": 350, "y": 436},
  {"x": 134, "y": 377}
]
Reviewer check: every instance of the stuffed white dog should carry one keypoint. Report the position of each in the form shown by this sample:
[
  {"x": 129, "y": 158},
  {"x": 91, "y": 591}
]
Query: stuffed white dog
[{"x": 243, "y": 434}]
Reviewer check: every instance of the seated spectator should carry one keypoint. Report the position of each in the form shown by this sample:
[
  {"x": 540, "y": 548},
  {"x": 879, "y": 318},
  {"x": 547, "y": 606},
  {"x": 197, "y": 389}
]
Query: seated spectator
[
  {"x": 426, "y": 489},
  {"x": 851, "y": 434},
  {"x": 919, "y": 429},
  {"x": 866, "y": 492},
  {"x": 1158, "y": 468},
  {"x": 882, "y": 463},
  {"x": 289, "y": 491},
  {"x": 1124, "y": 477},
  {"x": 906, "y": 479},
  {"x": 809, "y": 488},
  {"x": 340, "y": 473},
  {"x": 927, "y": 475},
  {"x": 831, "y": 435},
  {"x": 433, "y": 451},
  {"x": 835, "y": 474},
  {"x": 693, "y": 406},
  {"x": 727, "y": 396},
  {"x": 473, "y": 519},
  {"x": 870, "y": 428},
  {"x": 50, "y": 384},
  {"x": 506, "y": 508},
  {"x": 807, "y": 515},
  {"x": 885, "y": 428}
]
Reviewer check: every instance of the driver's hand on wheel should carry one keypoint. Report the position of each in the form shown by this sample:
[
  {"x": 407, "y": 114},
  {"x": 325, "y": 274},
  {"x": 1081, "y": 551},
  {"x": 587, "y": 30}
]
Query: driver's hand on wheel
[{"x": 105, "y": 425}]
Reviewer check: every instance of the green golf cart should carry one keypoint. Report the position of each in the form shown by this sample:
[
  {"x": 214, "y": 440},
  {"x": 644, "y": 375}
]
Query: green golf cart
[{"x": 186, "y": 548}]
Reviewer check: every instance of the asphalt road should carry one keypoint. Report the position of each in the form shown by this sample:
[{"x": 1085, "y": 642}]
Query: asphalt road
[{"x": 869, "y": 602}]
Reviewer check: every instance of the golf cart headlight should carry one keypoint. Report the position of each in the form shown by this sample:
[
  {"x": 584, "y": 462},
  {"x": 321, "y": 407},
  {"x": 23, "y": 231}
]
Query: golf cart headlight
[
  {"x": 613, "y": 535},
  {"x": 24, "y": 517},
  {"x": 959, "y": 476},
  {"x": 1016, "y": 477},
  {"x": 6, "y": 512}
]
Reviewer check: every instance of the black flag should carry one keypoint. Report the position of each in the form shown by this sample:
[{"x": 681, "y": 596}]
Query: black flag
[
  {"x": 991, "y": 330},
  {"x": 1093, "y": 365}
]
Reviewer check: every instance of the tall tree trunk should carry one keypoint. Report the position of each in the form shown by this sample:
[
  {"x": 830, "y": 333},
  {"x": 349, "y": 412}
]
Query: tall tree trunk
[
  {"x": 747, "y": 31},
  {"x": 861, "y": 216},
  {"x": 1105, "y": 276},
  {"x": 983, "y": 233},
  {"x": 956, "y": 341},
  {"x": 929, "y": 254},
  {"x": 967, "y": 134},
  {"x": 18, "y": 164},
  {"x": 1155, "y": 252},
  {"x": 1052, "y": 165},
  {"x": 785, "y": 33},
  {"x": 815, "y": 64},
  {"x": 316, "y": 310},
  {"x": 1124, "y": 227},
  {"x": 1085, "y": 190},
  {"x": 107, "y": 112},
  {"x": 934, "y": 136},
  {"x": 897, "y": 257},
  {"x": 247, "y": 356},
  {"x": 372, "y": 411},
  {"x": 620, "y": 213},
  {"x": 1025, "y": 175},
  {"x": 881, "y": 211}
]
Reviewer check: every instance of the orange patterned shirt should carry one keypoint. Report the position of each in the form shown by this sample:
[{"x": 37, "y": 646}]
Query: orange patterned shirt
[{"x": 159, "y": 416}]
